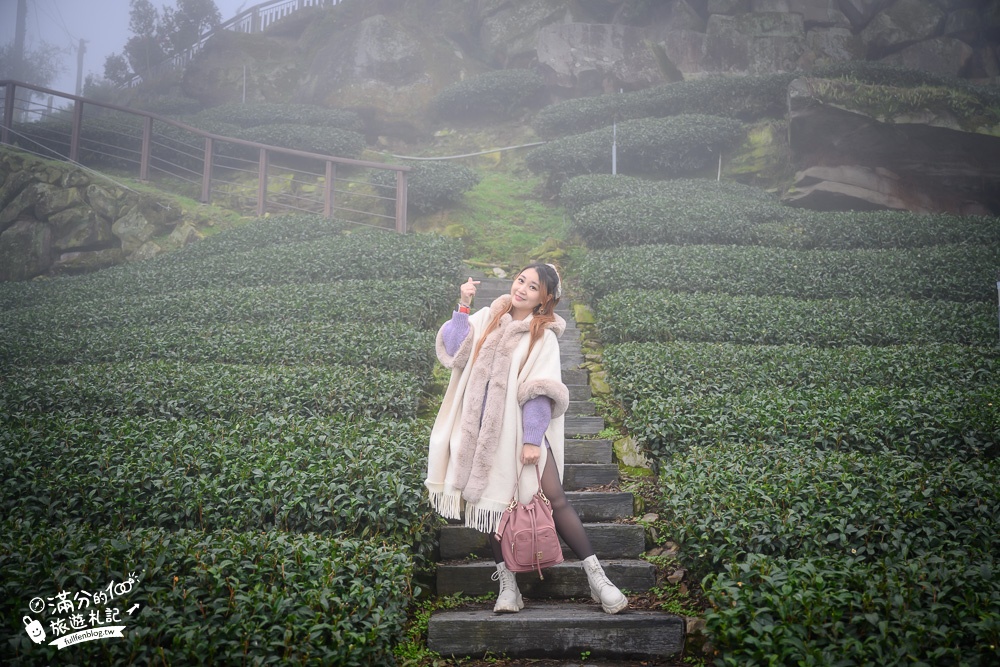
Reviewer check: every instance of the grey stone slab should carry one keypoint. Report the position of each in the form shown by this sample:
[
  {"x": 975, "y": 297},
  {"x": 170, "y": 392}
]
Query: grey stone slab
[
  {"x": 595, "y": 506},
  {"x": 581, "y": 408},
  {"x": 566, "y": 580},
  {"x": 553, "y": 629},
  {"x": 588, "y": 450},
  {"x": 610, "y": 540},
  {"x": 579, "y": 392},
  {"x": 577, "y": 476},
  {"x": 583, "y": 425}
]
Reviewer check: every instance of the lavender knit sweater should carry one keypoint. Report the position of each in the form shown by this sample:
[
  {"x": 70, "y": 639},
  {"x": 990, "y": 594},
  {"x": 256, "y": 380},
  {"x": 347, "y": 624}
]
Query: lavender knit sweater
[{"x": 535, "y": 413}]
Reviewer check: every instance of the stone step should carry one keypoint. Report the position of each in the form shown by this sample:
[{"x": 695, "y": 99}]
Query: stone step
[
  {"x": 588, "y": 451},
  {"x": 566, "y": 580},
  {"x": 583, "y": 425},
  {"x": 581, "y": 408},
  {"x": 556, "y": 630},
  {"x": 610, "y": 540},
  {"x": 599, "y": 506},
  {"x": 579, "y": 392},
  {"x": 575, "y": 376},
  {"x": 577, "y": 476}
]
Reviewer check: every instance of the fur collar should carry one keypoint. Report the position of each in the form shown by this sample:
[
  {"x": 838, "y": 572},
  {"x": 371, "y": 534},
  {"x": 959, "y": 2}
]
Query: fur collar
[{"x": 502, "y": 303}]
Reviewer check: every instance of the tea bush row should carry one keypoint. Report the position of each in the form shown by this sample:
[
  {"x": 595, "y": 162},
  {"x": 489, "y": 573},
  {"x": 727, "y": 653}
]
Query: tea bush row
[
  {"x": 662, "y": 315},
  {"x": 160, "y": 389},
  {"x": 499, "y": 93},
  {"x": 938, "y": 608},
  {"x": 638, "y": 370},
  {"x": 747, "y": 98},
  {"x": 392, "y": 347},
  {"x": 668, "y": 147},
  {"x": 358, "y": 256},
  {"x": 930, "y": 422},
  {"x": 266, "y": 231},
  {"x": 322, "y": 140},
  {"x": 254, "y": 115},
  {"x": 581, "y": 191},
  {"x": 419, "y": 303},
  {"x": 828, "y": 556},
  {"x": 949, "y": 272},
  {"x": 430, "y": 186},
  {"x": 708, "y": 218},
  {"x": 210, "y": 597},
  {"x": 352, "y": 479}
]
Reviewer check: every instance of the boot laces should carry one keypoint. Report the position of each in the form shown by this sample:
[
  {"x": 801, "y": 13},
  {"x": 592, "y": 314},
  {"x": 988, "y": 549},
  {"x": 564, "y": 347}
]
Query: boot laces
[{"x": 504, "y": 581}]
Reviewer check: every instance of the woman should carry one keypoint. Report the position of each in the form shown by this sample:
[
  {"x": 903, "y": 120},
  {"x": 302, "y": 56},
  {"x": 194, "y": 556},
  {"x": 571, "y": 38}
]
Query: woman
[{"x": 504, "y": 406}]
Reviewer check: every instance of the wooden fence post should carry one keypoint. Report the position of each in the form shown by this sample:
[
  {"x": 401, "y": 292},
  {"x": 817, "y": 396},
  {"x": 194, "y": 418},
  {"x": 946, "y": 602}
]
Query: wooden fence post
[
  {"x": 8, "y": 114},
  {"x": 147, "y": 148},
  {"x": 262, "y": 183},
  {"x": 74, "y": 140},
  {"x": 206, "y": 171},
  {"x": 328, "y": 189},
  {"x": 401, "y": 201}
]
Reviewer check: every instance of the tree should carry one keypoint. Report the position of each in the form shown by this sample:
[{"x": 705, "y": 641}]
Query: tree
[
  {"x": 144, "y": 49},
  {"x": 116, "y": 69},
  {"x": 39, "y": 65},
  {"x": 182, "y": 26}
]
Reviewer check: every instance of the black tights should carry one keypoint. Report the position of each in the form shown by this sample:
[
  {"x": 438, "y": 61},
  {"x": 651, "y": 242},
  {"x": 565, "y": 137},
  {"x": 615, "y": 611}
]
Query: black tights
[{"x": 567, "y": 521}]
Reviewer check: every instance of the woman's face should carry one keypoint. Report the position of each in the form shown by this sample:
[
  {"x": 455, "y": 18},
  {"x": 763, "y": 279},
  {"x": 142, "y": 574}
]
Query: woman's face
[{"x": 525, "y": 293}]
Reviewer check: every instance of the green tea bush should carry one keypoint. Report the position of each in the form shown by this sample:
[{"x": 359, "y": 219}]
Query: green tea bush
[
  {"x": 389, "y": 346},
  {"x": 498, "y": 93},
  {"x": 266, "y": 231},
  {"x": 431, "y": 186},
  {"x": 680, "y": 220},
  {"x": 820, "y": 557},
  {"x": 667, "y": 147},
  {"x": 254, "y": 115},
  {"x": 261, "y": 597},
  {"x": 348, "y": 478},
  {"x": 363, "y": 255},
  {"x": 950, "y": 272},
  {"x": 928, "y": 422},
  {"x": 419, "y": 303},
  {"x": 745, "y": 98},
  {"x": 662, "y": 315},
  {"x": 581, "y": 191},
  {"x": 175, "y": 389},
  {"x": 640, "y": 369},
  {"x": 937, "y": 608},
  {"x": 110, "y": 140},
  {"x": 324, "y": 140},
  {"x": 699, "y": 215}
]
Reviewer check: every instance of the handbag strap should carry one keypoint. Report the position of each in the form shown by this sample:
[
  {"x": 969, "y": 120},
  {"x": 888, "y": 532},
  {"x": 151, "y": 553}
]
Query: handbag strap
[{"x": 517, "y": 481}]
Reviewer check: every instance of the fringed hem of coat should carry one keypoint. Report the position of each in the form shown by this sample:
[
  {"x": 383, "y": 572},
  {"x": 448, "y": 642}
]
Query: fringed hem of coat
[{"x": 483, "y": 516}]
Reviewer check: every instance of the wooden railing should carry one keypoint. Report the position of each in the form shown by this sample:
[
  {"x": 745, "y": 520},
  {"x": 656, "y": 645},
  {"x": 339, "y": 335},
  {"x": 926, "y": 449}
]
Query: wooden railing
[
  {"x": 256, "y": 19},
  {"x": 190, "y": 160}
]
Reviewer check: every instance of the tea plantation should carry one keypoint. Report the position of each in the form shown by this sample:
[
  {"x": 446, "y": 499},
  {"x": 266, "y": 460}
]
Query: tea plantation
[
  {"x": 820, "y": 394},
  {"x": 234, "y": 426}
]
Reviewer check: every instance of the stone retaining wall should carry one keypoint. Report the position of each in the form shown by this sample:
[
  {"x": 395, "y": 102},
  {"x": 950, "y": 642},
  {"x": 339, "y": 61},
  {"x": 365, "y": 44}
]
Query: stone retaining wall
[{"x": 56, "y": 219}]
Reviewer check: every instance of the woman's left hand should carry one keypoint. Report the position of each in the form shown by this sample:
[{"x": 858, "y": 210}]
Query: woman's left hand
[{"x": 530, "y": 454}]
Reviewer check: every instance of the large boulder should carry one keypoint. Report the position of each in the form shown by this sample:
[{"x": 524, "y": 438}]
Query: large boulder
[
  {"x": 591, "y": 58},
  {"x": 80, "y": 227},
  {"x": 851, "y": 158},
  {"x": 508, "y": 29},
  {"x": 234, "y": 66},
  {"x": 945, "y": 56},
  {"x": 25, "y": 250},
  {"x": 757, "y": 43},
  {"x": 903, "y": 23}
]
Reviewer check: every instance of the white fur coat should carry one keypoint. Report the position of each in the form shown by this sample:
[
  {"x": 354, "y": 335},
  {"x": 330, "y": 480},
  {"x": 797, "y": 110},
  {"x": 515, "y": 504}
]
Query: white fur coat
[{"x": 472, "y": 464}]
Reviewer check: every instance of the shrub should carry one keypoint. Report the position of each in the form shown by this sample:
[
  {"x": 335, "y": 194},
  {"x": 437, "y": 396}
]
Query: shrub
[
  {"x": 352, "y": 478},
  {"x": 266, "y": 597},
  {"x": 667, "y": 147},
  {"x": 431, "y": 186},
  {"x": 661, "y": 315},
  {"x": 160, "y": 389},
  {"x": 642, "y": 369},
  {"x": 253, "y": 115},
  {"x": 953, "y": 273},
  {"x": 935, "y": 422},
  {"x": 262, "y": 232},
  {"x": 323, "y": 140},
  {"x": 498, "y": 93},
  {"x": 745, "y": 98},
  {"x": 581, "y": 191}
]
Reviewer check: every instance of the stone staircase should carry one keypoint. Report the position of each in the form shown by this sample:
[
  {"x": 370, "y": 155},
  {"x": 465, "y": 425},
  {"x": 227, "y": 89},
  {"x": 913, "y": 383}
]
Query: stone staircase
[{"x": 559, "y": 619}]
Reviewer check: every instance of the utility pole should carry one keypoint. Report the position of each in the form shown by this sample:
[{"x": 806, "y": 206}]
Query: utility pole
[
  {"x": 20, "y": 31},
  {"x": 80, "y": 50}
]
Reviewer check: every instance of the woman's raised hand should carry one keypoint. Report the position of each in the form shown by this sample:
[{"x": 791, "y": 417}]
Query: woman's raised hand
[{"x": 468, "y": 291}]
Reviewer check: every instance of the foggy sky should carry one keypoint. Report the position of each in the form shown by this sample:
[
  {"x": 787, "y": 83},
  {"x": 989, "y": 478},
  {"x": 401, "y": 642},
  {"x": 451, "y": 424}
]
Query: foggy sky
[{"x": 103, "y": 23}]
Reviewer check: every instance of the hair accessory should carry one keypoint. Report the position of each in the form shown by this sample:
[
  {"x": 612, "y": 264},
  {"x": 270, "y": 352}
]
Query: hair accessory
[{"x": 558, "y": 293}]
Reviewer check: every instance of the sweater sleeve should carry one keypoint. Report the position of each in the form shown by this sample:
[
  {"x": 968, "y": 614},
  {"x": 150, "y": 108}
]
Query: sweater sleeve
[
  {"x": 454, "y": 341},
  {"x": 535, "y": 416}
]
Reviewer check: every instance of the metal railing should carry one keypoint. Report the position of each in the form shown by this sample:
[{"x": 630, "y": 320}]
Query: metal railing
[
  {"x": 256, "y": 19},
  {"x": 246, "y": 176}
]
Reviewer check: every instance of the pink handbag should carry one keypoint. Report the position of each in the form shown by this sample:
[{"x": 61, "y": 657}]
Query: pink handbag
[{"x": 527, "y": 533}]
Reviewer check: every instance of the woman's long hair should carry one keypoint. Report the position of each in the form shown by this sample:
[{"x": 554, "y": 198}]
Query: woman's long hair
[{"x": 543, "y": 314}]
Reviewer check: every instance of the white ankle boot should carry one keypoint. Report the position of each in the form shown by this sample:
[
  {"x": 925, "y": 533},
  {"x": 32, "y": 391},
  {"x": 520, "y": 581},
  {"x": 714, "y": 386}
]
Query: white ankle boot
[
  {"x": 602, "y": 590},
  {"x": 509, "y": 601}
]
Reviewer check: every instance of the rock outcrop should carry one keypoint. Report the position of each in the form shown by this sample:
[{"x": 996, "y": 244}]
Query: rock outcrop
[
  {"x": 855, "y": 158},
  {"x": 54, "y": 219}
]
